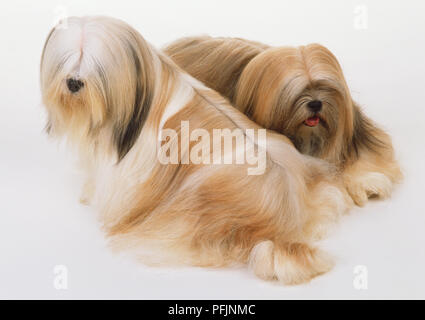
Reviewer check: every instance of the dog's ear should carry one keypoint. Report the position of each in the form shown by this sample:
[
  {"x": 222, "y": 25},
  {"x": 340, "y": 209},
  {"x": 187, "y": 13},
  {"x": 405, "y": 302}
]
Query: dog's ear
[
  {"x": 366, "y": 135},
  {"x": 126, "y": 133}
]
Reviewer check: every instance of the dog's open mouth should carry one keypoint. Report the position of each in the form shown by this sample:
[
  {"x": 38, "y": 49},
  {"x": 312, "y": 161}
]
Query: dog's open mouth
[{"x": 312, "y": 121}]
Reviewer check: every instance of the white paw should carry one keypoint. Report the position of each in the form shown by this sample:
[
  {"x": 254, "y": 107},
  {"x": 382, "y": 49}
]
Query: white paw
[
  {"x": 289, "y": 264},
  {"x": 371, "y": 184}
]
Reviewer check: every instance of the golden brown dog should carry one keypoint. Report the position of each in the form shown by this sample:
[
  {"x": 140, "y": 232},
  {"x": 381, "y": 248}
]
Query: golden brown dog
[{"x": 300, "y": 92}]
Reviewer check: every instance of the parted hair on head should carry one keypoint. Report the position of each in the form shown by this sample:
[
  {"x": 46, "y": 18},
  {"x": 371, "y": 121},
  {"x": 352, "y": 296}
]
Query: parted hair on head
[{"x": 100, "y": 78}]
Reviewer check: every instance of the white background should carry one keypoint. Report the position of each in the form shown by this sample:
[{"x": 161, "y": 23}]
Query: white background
[{"x": 42, "y": 223}]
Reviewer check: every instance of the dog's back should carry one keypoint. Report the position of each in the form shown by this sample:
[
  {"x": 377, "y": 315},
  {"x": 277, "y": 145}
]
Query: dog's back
[{"x": 217, "y": 62}]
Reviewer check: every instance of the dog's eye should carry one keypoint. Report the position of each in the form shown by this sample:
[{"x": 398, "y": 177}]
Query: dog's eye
[{"x": 74, "y": 85}]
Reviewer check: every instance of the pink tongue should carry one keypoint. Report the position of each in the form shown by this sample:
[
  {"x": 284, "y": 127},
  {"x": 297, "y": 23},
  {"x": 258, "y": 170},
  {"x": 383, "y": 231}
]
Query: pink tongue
[{"x": 312, "y": 121}]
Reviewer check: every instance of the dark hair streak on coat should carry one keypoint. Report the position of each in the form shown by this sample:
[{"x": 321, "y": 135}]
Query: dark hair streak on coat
[
  {"x": 125, "y": 135},
  {"x": 366, "y": 135}
]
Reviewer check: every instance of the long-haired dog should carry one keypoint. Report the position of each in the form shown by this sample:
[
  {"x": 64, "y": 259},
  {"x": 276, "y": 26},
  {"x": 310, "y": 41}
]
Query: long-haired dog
[
  {"x": 300, "y": 92},
  {"x": 112, "y": 96}
]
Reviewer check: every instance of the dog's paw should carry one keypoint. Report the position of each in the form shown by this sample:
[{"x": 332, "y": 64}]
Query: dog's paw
[
  {"x": 330, "y": 202},
  {"x": 371, "y": 184},
  {"x": 298, "y": 263},
  {"x": 290, "y": 264},
  {"x": 261, "y": 260},
  {"x": 84, "y": 200},
  {"x": 87, "y": 193}
]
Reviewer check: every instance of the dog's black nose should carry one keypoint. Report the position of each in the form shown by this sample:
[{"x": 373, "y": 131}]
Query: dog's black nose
[
  {"x": 315, "y": 105},
  {"x": 74, "y": 85}
]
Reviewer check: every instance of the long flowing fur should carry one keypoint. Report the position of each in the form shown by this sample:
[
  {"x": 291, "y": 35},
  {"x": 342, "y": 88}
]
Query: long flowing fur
[
  {"x": 273, "y": 86},
  {"x": 201, "y": 214}
]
